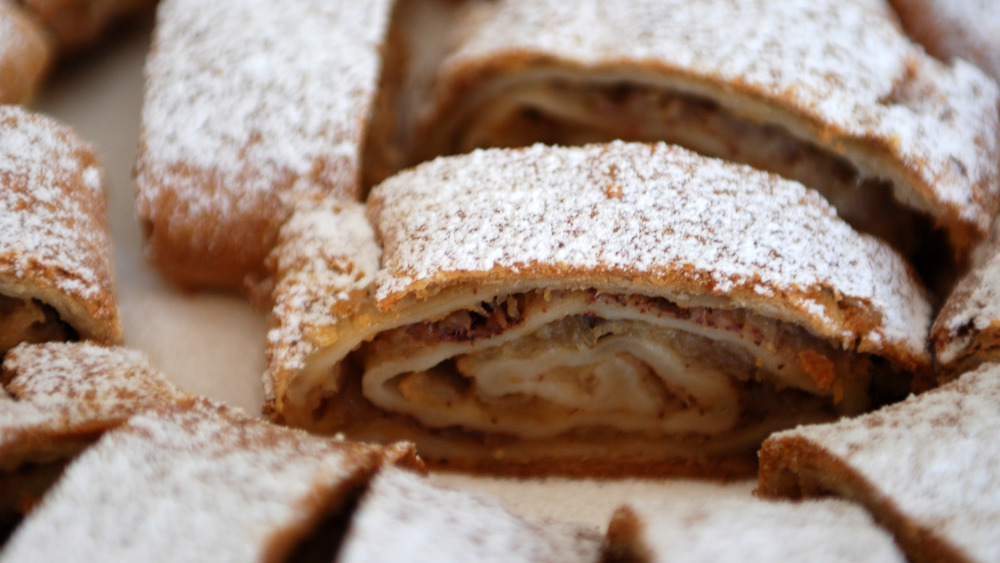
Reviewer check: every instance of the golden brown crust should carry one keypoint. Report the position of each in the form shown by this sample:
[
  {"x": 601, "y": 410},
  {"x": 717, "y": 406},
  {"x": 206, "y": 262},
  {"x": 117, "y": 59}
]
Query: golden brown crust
[
  {"x": 541, "y": 229},
  {"x": 25, "y": 54}
]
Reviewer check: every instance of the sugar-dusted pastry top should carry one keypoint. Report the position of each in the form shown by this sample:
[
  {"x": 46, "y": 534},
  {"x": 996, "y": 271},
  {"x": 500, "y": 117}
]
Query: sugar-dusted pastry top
[
  {"x": 59, "y": 392},
  {"x": 249, "y": 106},
  {"x": 203, "y": 483},
  {"x": 839, "y": 73},
  {"x": 747, "y": 529},
  {"x": 929, "y": 464},
  {"x": 76, "y": 24},
  {"x": 404, "y": 513},
  {"x": 968, "y": 325},
  {"x": 24, "y": 54},
  {"x": 968, "y": 29},
  {"x": 645, "y": 218},
  {"x": 327, "y": 247},
  {"x": 54, "y": 242}
]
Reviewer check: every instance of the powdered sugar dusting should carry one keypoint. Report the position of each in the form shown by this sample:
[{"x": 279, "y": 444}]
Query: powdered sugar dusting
[
  {"x": 185, "y": 485},
  {"x": 748, "y": 529},
  {"x": 262, "y": 98},
  {"x": 53, "y": 231},
  {"x": 724, "y": 226},
  {"x": 934, "y": 457},
  {"x": 405, "y": 513},
  {"x": 60, "y": 390},
  {"x": 329, "y": 255},
  {"x": 844, "y": 66},
  {"x": 83, "y": 379}
]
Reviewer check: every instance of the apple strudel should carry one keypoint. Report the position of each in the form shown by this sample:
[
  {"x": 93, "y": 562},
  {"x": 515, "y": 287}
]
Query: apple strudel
[
  {"x": 831, "y": 94},
  {"x": 926, "y": 468},
  {"x": 636, "y": 306},
  {"x": 444, "y": 524},
  {"x": 56, "y": 399},
  {"x": 55, "y": 251},
  {"x": 746, "y": 529},
  {"x": 198, "y": 482},
  {"x": 223, "y": 156}
]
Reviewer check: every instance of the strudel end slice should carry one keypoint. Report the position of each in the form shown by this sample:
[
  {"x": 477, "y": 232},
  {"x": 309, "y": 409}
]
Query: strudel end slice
[{"x": 605, "y": 309}]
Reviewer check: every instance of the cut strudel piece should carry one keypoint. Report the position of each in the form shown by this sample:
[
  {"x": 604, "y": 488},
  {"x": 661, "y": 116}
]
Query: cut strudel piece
[
  {"x": 829, "y": 93},
  {"x": 746, "y": 529},
  {"x": 55, "y": 251},
  {"x": 966, "y": 332},
  {"x": 967, "y": 29},
  {"x": 602, "y": 309},
  {"x": 25, "y": 54},
  {"x": 927, "y": 468},
  {"x": 250, "y": 106},
  {"x": 75, "y": 24},
  {"x": 403, "y": 514},
  {"x": 60, "y": 397},
  {"x": 197, "y": 484}
]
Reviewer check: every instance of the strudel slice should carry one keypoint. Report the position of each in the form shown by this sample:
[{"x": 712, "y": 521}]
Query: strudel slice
[
  {"x": 405, "y": 516},
  {"x": 746, "y": 529},
  {"x": 829, "y": 93},
  {"x": 198, "y": 483},
  {"x": 250, "y": 105},
  {"x": 55, "y": 251},
  {"x": 609, "y": 308},
  {"x": 927, "y": 468},
  {"x": 59, "y": 398},
  {"x": 966, "y": 332},
  {"x": 25, "y": 54}
]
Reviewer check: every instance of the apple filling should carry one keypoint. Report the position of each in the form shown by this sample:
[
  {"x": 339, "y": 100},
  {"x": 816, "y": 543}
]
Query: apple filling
[{"x": 540, "y": 364}]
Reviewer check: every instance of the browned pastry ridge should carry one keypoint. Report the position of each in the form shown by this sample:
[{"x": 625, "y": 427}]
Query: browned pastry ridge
[
  {"x": 249, "y": 107},
  {"x": 25, "y": 55},
  {"x": 926, "y": 468},
  {"x": 621, "y": 308},
  {"x": 829, "y": 93},
  {"x": 55, "y": 252}
]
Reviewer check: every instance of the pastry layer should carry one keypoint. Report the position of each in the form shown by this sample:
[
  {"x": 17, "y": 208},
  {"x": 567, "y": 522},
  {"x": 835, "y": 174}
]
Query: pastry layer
[{"x": 503, "y": 307}]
